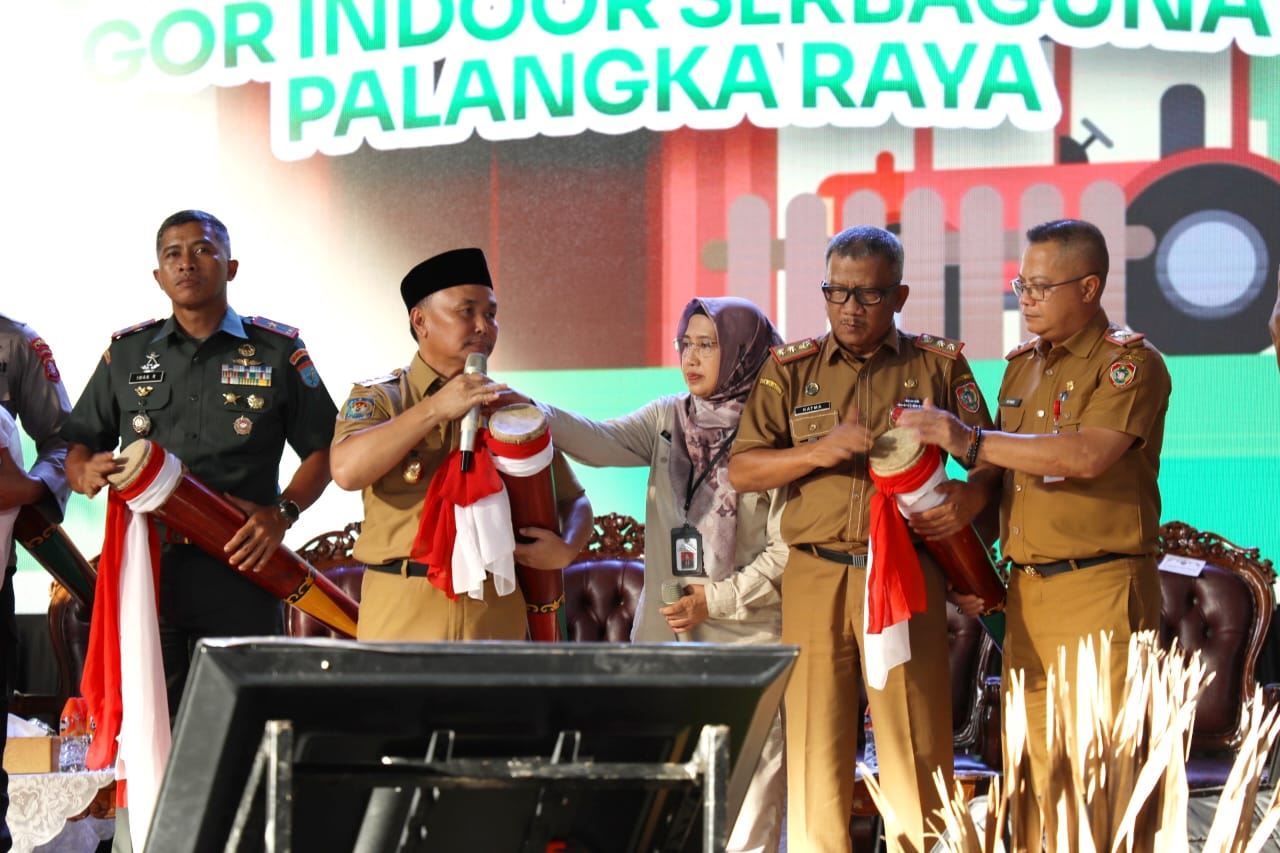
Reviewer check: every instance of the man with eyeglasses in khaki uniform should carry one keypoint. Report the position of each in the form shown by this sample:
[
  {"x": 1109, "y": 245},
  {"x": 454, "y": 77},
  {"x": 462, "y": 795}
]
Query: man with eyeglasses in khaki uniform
[
  {"x": 815, "y": 409},
  {"x": 1082, "y": 409}
]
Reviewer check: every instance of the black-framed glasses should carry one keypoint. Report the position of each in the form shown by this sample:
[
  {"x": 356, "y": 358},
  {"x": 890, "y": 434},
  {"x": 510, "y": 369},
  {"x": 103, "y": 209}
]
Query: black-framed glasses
[
  {"x": 1040, "y": 292},
  {"x": 702, "y": 348},
  {"x": 862, "y": 295}
]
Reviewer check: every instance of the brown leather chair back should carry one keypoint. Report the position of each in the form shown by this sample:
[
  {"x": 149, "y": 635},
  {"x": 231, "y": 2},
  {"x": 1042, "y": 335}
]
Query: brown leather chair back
[
  {"x": 1224, "y": 614},
  {"x": 602, "y": 587},
  {"x": 600, "y": 598}
]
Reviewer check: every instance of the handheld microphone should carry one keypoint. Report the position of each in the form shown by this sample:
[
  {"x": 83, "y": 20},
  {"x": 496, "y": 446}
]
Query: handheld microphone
[
  {"x": 673, "y": 591},
  {"x": 476, "y": 363}
]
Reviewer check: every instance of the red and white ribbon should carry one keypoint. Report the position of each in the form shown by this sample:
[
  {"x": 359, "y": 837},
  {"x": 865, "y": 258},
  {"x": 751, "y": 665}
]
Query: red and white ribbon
[
  {"x": 130, "y": 703},
  {"x": 895, "y": 583}
]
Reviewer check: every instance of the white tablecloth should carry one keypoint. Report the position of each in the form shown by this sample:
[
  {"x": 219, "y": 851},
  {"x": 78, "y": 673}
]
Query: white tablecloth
[{"x": 40, "y": 803}]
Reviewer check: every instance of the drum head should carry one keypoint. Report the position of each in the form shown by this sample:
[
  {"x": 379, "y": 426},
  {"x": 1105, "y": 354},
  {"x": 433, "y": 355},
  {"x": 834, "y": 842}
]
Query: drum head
[
  {"x": 517, "y": 424},
  {"x": 895, "y": 451},
  {"x": 132, "y": 460}
]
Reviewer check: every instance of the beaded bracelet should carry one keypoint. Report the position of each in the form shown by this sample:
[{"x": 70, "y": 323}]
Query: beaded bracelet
[{"x": 975, "y": 443}]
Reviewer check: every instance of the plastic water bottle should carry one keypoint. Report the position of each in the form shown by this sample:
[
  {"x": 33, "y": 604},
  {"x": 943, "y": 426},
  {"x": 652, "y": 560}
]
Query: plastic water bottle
[{"x": 869, "y": 744}]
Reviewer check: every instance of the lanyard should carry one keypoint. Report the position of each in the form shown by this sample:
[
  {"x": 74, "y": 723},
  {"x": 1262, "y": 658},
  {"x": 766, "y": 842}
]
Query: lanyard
[{"x": 693, "y": 484}]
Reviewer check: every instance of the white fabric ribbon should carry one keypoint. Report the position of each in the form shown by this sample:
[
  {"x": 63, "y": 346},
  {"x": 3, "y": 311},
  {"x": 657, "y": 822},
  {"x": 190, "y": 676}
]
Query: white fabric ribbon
[
  {"x": 11, "y": 441},
  {"x": 485, "y": 541},
  {"x": 144, "y": 725}
]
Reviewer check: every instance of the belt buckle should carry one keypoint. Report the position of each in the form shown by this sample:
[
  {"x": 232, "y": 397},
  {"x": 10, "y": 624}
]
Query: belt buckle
[{"x": 1032, "y": 570}]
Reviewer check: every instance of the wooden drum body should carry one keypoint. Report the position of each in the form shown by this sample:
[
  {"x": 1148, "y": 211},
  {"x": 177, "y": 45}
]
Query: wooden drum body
[
  {"x": 521, "y": 448},
  {"x": 209, "y": 521}
]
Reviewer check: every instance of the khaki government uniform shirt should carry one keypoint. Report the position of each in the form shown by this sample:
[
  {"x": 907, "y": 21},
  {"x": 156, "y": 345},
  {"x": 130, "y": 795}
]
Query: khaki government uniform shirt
[
  {"x": 393, "y": 503},
  {"x": 1102, "y": 376},
  {"x": 804, "y": 390}
]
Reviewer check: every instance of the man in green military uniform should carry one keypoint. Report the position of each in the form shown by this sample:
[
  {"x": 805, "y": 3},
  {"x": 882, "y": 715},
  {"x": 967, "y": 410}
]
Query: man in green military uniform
[
  {"x": 224, "y": 393},
  {"x": 392, "y": 437},
  {"x": 808, "y": 424},
  {"x": 1082, "y": 409},
  {"x": 31, "y": 392}
]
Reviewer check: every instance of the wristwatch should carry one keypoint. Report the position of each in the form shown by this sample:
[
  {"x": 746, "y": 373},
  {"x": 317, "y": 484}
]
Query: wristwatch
[{"x": 289, "y": 511}]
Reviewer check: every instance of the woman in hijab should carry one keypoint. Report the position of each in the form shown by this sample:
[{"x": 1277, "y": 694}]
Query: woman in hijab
[{"x": 719, "y": 551}]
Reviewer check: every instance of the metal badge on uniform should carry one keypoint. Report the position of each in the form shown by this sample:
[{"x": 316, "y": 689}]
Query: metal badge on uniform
[
  {"x": 247, "y": 350},
  {"x": 811, "y": 389},
  {"x": 412, "y": 472},
  {"x": 247, "y": 374},
  {"x": 255, "y": 402},
  {"x": 686, "y": 552},
  {"x": 148, "y": 371},
  {"x": 142, "y": 423},
  {"x": 242, "y": 425},
  {"x": 230, "y": 398},
  {"x": 910, "y": 382}
]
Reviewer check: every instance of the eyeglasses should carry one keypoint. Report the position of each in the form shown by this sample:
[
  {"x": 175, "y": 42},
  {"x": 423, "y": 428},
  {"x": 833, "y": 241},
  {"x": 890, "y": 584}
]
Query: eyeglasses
[
  {"x": 862, "y": 295},
  {"x": 1040, "y": 292},
  {"x": 704, "y": 349}
]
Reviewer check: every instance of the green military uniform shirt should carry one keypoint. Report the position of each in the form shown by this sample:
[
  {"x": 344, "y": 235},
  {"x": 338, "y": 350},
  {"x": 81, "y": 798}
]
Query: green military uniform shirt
[
  {"x": 804, "y": 391},
  {"x": 1102, "y": 376},
  {"x": 225, "y": 406},
  {"x": 393, "y": 502}
]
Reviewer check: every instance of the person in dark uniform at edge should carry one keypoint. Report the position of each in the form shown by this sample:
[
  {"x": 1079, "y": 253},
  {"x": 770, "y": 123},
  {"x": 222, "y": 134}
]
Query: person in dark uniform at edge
[
  {"x": 31, "y": 391},
  {"x": 223, "y": 393}
]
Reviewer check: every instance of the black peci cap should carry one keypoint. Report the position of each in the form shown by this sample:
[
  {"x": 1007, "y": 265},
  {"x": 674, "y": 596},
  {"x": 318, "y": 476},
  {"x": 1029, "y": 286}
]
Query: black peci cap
[{"x": 447, "y": 269}]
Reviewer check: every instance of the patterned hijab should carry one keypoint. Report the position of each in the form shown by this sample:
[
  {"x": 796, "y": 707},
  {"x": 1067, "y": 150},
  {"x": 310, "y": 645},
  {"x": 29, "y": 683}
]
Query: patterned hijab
[{"x": 703, "y": 426}]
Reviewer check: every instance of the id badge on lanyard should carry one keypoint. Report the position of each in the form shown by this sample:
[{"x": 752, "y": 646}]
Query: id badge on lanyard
[{"x": 686, "y": 552}]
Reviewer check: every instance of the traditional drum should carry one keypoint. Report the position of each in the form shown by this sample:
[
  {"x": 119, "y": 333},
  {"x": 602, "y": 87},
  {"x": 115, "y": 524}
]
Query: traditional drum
[
  {"x": 521, "y": 447},
  {"x": 901, "y": 464},
  {"x": 45, "y": 539},
  {"x": 209, "y": 521}
]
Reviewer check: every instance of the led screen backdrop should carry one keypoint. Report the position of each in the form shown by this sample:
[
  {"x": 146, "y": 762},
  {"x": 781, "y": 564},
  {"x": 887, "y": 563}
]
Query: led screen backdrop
[{"x": 616, "y": 157}]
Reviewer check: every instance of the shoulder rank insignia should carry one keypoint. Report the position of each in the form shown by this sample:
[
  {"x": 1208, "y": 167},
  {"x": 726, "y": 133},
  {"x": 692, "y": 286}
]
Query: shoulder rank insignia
[
  {"x": 787, "y": 353},
  {"x": 942, "y": 346},
  {"x": 138, "y": 327},
  {"x": 272, "y": 326},
  {"x": 380, "y": 380},
  {"x": 1021, "y": 348},
  {"x": 1123, "y": 337}
]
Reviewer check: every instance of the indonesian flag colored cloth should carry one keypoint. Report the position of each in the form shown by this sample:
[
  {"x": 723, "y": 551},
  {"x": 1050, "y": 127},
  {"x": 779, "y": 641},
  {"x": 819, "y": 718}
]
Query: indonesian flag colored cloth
[
  {"x": 129, "y": 702},
  {"x": 10, "y": 454},
  {"x": 465, "y": 529},
  {"x": 895, "y": 582}
]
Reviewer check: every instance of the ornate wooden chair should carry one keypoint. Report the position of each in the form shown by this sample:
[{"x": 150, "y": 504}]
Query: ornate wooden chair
[
  {"x": 330, "y": 554},
  {"x": 1224, "y": 613},
  {"x": 602, "y": 586}
]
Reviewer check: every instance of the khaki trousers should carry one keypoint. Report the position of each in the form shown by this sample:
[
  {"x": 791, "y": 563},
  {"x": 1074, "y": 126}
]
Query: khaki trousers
[
  {"x": 822, "y": 607},
  {"x": 1048, "y": 614},
  {"x": 412, "y": 610}
]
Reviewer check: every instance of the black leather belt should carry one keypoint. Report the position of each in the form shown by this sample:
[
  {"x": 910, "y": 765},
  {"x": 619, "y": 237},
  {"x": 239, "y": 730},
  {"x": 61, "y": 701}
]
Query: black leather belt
[
  {"x": 1058, "y": 567},
  {"x": 858, "y": 561},
  {"x": 403, "y": 568}
]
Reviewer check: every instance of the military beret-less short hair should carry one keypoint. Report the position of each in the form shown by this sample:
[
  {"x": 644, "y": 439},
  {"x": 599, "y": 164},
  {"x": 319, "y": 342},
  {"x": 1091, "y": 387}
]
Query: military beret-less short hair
[{"x": 447, "y": 269}]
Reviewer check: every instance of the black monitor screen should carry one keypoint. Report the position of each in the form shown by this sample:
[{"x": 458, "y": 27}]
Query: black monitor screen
[{"x": 352, "y": 704}]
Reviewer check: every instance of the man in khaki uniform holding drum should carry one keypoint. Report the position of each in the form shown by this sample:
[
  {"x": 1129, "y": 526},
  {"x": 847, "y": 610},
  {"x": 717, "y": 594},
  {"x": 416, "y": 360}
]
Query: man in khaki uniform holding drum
[
  {"x": 1082, "y": 410},
  {"x": 392, "y": 436},
  {"x": 815, "y": 409}
]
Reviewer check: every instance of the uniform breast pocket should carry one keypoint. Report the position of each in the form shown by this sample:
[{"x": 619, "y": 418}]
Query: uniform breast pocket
[
  {"x": 145, "y": 398},
  {"x": 809, "y": 426},
  {"x": 1011, "y": 418}
]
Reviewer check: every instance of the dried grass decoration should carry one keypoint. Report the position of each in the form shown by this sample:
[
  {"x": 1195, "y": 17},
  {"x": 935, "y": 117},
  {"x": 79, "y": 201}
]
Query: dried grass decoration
[{"x": 1117, "y": 765}]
